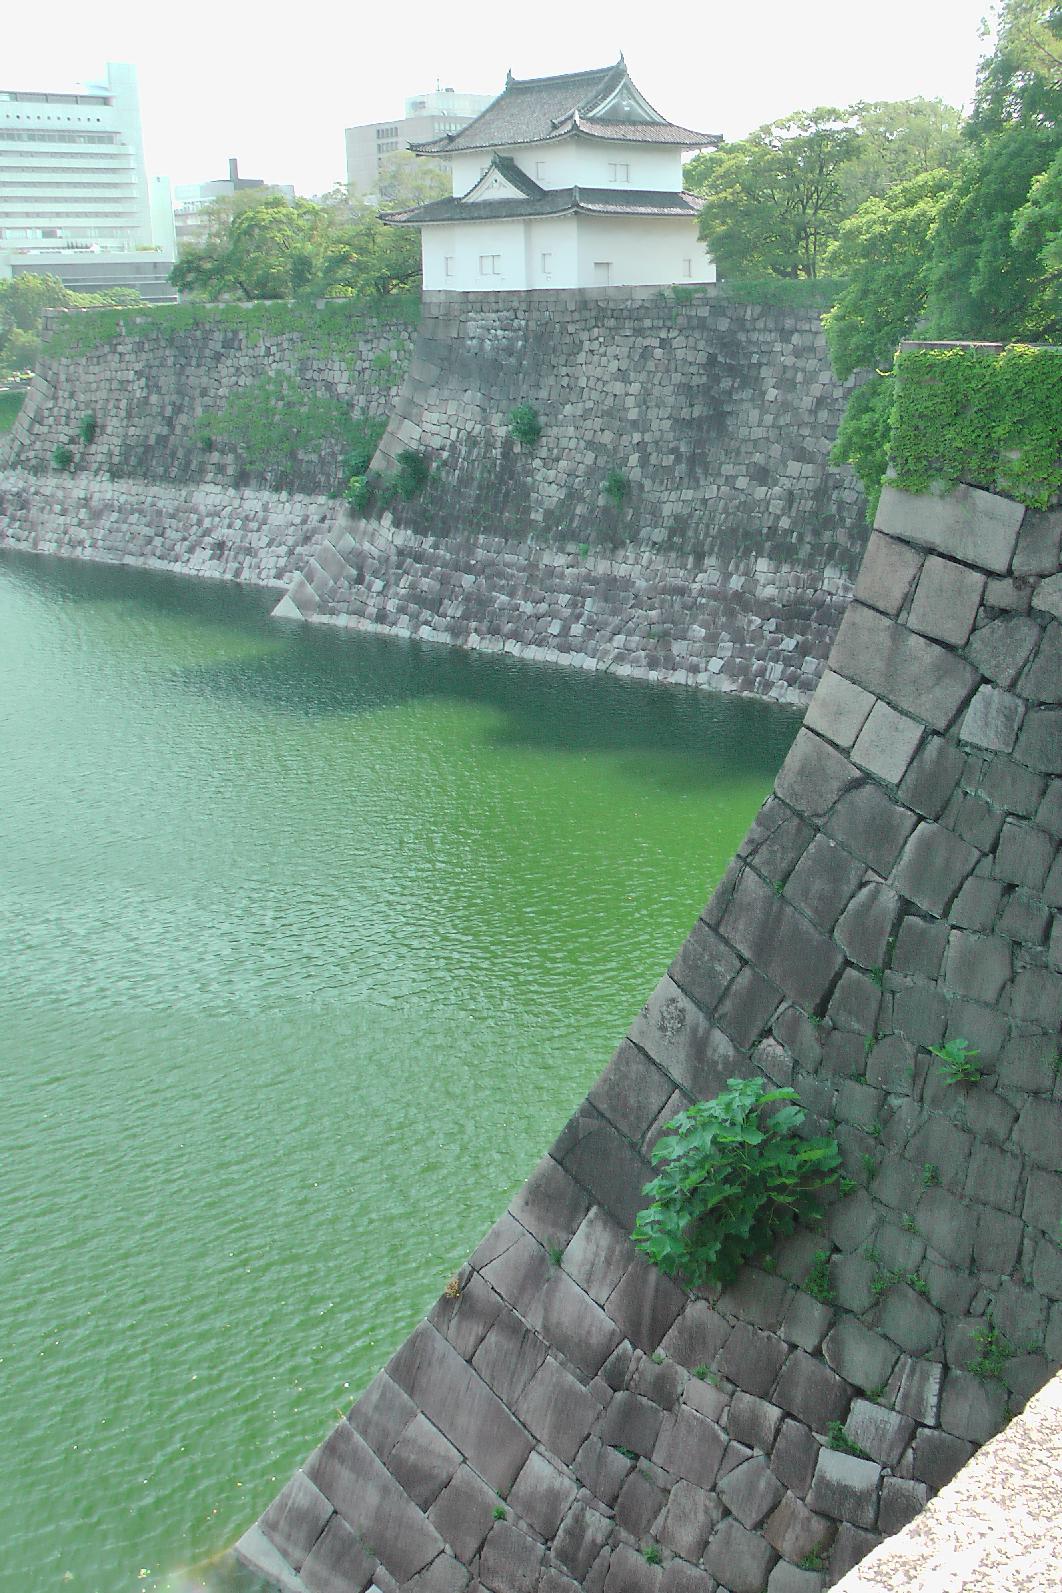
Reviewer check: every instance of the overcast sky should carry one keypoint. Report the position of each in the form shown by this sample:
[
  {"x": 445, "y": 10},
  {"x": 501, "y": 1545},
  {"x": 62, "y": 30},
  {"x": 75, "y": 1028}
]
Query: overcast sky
[{"x": 276, "y": 87}]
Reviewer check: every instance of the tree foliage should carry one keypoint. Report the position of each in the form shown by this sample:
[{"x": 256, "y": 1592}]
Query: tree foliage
[
  {"x": 23, "y": 301},
  {"x": 277, "y": 250}
]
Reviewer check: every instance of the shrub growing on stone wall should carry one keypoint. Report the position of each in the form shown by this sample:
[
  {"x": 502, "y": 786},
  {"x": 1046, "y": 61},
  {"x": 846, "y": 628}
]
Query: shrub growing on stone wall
[
  {"x": 616, "y": 487},
  {"x": 525, "y": 425},
  {"x": 62, "y": 456},
  {"x": 86, "y": 428},
  {"x": 734, "y": 1179}
]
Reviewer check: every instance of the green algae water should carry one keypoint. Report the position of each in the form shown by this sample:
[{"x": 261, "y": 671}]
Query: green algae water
[{"x": 308, "y": 946}]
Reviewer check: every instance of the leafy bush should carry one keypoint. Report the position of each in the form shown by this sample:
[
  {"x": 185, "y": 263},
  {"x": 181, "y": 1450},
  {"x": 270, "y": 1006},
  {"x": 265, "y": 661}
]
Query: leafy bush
[
  {"x": 413, "y": 471},
  {"x": 734, "y": 1179},
  {"x": 957, "y": 1061},
  {"x": 361, "y": 491},
  {"x": 86, "y": 428},
  {"x": 616, "y": 486},
  {"x": 525, "y": 425},
  {"x": 62, "y": 456},
  {"x": 366, "y": 433}
]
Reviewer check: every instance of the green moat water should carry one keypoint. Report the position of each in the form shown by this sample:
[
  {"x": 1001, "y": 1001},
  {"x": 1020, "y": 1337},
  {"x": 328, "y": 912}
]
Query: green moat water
[{"x": 308, "y": 946}]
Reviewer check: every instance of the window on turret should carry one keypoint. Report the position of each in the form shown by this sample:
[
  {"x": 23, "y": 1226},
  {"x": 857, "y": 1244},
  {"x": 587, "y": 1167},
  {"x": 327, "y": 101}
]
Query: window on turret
[
  {"x": 602, "y": 273},
  {"x": 619, "y": 171},
  {"x": 449, "y": 265},
  {"x": 547, "y": 265},
  {"x": 490, "y": 265}
]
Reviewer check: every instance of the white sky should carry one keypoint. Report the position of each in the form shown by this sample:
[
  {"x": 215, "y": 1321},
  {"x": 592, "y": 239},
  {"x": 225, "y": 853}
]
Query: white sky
[{"x": 275, "y": 86}]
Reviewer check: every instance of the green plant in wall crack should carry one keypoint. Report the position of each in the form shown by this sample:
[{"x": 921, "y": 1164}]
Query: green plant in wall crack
[
  {"x": 62, "y": 456},
  {"x": 86, "y": 428},
  {"x": 616, "y": 488},
  {"x": 735, "y": 1176},
  {"x": 996, "y": 1350},
  {"x": 818, "y": 1283},
  {"x": 958, "y": 1066},
  {"x": 525, "y": 425}
]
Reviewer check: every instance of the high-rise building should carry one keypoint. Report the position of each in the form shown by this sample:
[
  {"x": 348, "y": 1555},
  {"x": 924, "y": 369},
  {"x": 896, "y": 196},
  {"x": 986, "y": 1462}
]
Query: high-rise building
[
  {"x": 75, "y": 198},
  {"x": 426, "y": 116}
]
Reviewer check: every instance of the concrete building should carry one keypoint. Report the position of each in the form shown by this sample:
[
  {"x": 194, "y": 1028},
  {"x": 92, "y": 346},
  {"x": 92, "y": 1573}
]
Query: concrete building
[
  {"x": 75, "y": 198},
  {"x": 427, "y": 116},
  {"x": 563, "y": 182},
  {"x": 193, "y": 199}
]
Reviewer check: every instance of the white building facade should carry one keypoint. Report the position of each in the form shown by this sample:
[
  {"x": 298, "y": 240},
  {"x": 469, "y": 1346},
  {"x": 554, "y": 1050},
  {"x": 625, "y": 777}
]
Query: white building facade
[
  {"x": 427, "y": 116},
  {"x": 563, "y": 182},
  {"x": 75, "y": 198}
]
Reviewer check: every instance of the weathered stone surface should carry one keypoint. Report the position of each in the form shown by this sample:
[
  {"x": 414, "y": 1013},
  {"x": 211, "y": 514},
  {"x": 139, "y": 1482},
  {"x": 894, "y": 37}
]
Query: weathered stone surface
[
  {"x": 839, "y": 709},
  {"x": 850, "y": 1546},
  {"x": 704, "y": 966},
  {"x": 938, "y": 1456},
  {"x": 933, "y": 867},
  {"x": 514, "y": 1264},
  {"x": 599, "y": 1254},
  {"x": 901, "y": 1501},
  {"x": 811, "y": 1392},
  {"x": 914, "y": 1388},
  {"x": 737, "y": 1558},
  {"x": 1040, "y": 741},
  {"x": 887, "y": 573},
  {"x": 690, "y": 1446},
  {"x": 464, "y": 1512},
  {"x": 871, "y": 826},
  {"x": 813, "y": 776},
  {"x": 1039, "y": 1133},
  {"x": 1024, "y": 854},
  {"x": 423, "y": 1461},
  {"x": 382, "y": 1414},
  {"x": 965, "y": 523},
  {"x": 542, "y": 1494},
  {"x": 824, "y": 881},
  {"x": 795, "y": 1531},
  {"x": 858, "y": 1355},
  {"x": 971, "y": 1408},
  {"x": 443, "y": 1575},
  {"x": 338, "y": 1561},
  {"x": 583, "y": 1534},
  {"x": 767, "y": 930},
  {"x": 639, "y": 1503},
  {"x": 887, "y": 743},
  {"x": 679, "y": 1577},
  {"x": 550, "y": 1205},
  {"x": 645, "y": 1304},
  {"x": 557, "y": 1410},
  {"x": 461, "y": 1405},
  {"x": 913, "y": 674},
  {"x": 753, "y": 1421},
  {"x": 697, "y": 1335},
  {"x": 510, "y": 1561},
  {"x": 946, "y": 601},
  {"x": 606, "y": 1166},
  {"x": 795, "y": 1456},
  {"x": 572, "y": 1322},
  {"x": 992, "y": 720},
  {"x": 369, "y": 1499},
  {"x": 509, "y": 1356},
  {"x": 601, "y": 1469},
  {"x": 630, "y": 1572},
  {"x": 690, "y": 1517},
  {"x": 296, "y": 1518},
  {"x": 884, "y": 1434},
  {"x": 786, "y": 1578},
  {"x": 751, "y": 1491},
  {"x": 631, "y": 1091},
  {"x": 845, "y": 1488},
  {"x": 752, "y": 1359},
  {"x": 632, "y": 1422}
]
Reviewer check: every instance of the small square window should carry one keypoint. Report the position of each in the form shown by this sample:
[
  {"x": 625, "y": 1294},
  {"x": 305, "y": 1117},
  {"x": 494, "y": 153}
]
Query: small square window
[
  {"x": 547, "y": 264},
  {"x": 687, "y": 268},
  {"x": 449, "y": 265}
]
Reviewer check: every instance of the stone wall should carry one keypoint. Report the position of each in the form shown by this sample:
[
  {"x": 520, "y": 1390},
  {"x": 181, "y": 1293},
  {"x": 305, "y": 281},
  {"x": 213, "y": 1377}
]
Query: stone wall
[
  {"x": 568, "y": 1417},
  {"x": 149, "y": 388},
  {"x": 222, "y": 533}
]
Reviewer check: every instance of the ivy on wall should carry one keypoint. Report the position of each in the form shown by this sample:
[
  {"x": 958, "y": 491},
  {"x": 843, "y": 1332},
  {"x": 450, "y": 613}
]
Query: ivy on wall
[
  {"x": 275, "y": 419},
  {"x": 968, "y": 414}
]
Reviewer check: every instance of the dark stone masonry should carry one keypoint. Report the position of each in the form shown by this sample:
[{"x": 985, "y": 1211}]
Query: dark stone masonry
[{"x": 568, "y": 1417}]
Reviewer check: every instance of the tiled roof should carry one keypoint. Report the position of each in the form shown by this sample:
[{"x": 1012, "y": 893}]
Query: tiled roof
[
  {"x": 541, "y": 109},
  {"x": 553, "y": 202}
]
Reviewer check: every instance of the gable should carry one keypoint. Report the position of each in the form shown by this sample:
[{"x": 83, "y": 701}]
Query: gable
[{"x": 623, "y": 104}]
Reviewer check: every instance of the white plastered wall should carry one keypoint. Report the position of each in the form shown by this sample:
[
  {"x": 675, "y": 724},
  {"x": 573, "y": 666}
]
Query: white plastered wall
[{"x": 582, "y": 162}]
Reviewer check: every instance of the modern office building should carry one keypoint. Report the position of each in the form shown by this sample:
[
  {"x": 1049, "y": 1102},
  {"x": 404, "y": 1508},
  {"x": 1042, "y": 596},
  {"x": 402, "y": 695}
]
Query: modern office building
[
  {"x": 427, "y": 116},
  {"x": 75, "y": 198},
  {"x": 191, "y": 201}
]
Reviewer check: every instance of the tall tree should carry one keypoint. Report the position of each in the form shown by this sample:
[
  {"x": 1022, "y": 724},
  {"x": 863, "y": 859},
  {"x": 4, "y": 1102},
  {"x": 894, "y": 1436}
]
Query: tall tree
[
  {"x": 899, "y": 139},
  {"x": 773, "y": 202},
  {"x": 23, "y": 301}
]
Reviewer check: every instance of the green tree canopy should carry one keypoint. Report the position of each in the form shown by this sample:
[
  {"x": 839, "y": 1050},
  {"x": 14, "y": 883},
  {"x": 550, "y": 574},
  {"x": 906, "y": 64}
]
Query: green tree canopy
[
  {"x": 898, "y": 140},
  {"x": 23, "y": 301}
]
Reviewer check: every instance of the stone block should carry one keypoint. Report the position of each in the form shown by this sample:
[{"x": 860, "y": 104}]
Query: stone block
[
  {"x": 850, "y": 1546},
  {"x": 601, "y": 1470},
  {"x": 542, "y": 1494},
  {"x": 965, "y": 523},
  {"x": 611, "y": 1172},
  {"x": 901, "y": 1502},
  {"x": 573, "y": 1324},
  {"x": 583, "y": 1534},
  {"x": 993, "y": 1177},
  {"x": 747, "y": 1008},
  {"x": 811, "y": 1392},
  {"x": 977, "y": 965},
  {"x": 971, "y": 1408},
  {"x": 946, "y": 601},
  {"x": 631, "y": 1092},
  {"x": 867, "y": 923},
  {"x": 1024, "y": 919},
  {"x": 1006, "y": 785},
  {"x": 1036, "y": 998},
  {"x": 370, "y": 1500},
  {"x": 443, "y": 1575},
  {"x": 778, "y": 854},
  {"x": 845, "y": 1488},
  {"x": 858, "y": 1355},
  {"x": 750, "y": 1491},
  {"x": 1042, "y": 679},
  {"x": 382, "y": 1414},
  {"x": 933, "y": 867},
  {"x": 852, "y": 1278},
  {"x": 884, "y": 1434},
  {"x": 752, "y": 1359},
  {"x": 632, "y": 1422},
  {"x": 795, "y": 1455},
  {"x": 510, "y": 1561},
  {"x": 599, "y": 1255},
  {"x": 704, "y": 966},
  {"x": 690, "y": 1446},
  {"x": 645, "y": 1304},
  {"x": 1024, "y": 855},
  {"x": 678, "y": 1577},
  {"x": 839, "y": 709},
  {"x": 938, "y": 1456},
  {"x": 754, "y": 1421},
  {"x": 557, "y": 1410},
  {"x": 756, "y": 1298},
  {"x": 464, "y": 1512},
  {"x": 423, "y": 1461},
  {"x": 630, "y": 1572},
  {"x": 824, "y": 881},
  {"x": 639, "y": 1503},
  {"x": 914, "y": 1389},
  {"x": 1039, "y": 1133},
  {"x": 932, "y": 777},
  {"x": 887, "y": 573},
  {"x": 813, "y": 776},
  {"x": 871, "y": 826},
  {"x": 697, "y": 1336},
  {"x": 461, "y": 1406},
  {"x": 947, "y": 1225},
  {"x": 338, "y": 1561},
  {"x": 786, "y": 1578},
  {"x": 515, "y": 1265},
  {"x": 296, "y": 1518},
  {"x": 659, "y": 1382},
  {"x": 550, "y": 1205},
  {"x": 992, "y": 720},
  {"x": 1037, "y": 552},
  {"x": 797, "y": 1532},
  {"x": 690, "y": 1517},
  {"x": 887, "y": 743},
  {"x": 1047, "y": 596},
  {"x": 509, "y": 1356},
  {"x": 769, "y": 931},
  {"x": 1040, "y": 742},
  {"x": 739, "y": 1559},
  {"x": 911, "y": 673},
  {"x": 682, "y": 1041}
]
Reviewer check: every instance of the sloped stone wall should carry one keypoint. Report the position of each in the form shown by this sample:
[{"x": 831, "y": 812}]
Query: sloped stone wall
[
  {"x": 567, "y": 1417},
  {"x": 149, "y": 386}
]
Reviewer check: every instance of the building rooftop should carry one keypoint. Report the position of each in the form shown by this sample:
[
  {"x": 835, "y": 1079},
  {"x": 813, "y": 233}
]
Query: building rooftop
[
  {"x": 551, "y": 202},
  {"x": 602, "y": 103}
]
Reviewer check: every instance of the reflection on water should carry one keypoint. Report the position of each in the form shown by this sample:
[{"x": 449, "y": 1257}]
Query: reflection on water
[{"x": 308, "y": 945}]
